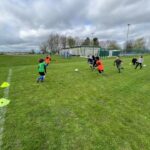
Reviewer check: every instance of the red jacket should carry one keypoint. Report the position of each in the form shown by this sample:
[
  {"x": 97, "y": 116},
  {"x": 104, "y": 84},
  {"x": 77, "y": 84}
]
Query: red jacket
[
  {"x": 47, "y": 60},
  {"x": 100, "y": 65}
]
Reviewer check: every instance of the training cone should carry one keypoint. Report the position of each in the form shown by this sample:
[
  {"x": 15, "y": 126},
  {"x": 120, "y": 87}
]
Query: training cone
[
  {"x": 4, "y": 102},
  {"x": 76, "y": 70},
  {"x": 5, "y": 85}
]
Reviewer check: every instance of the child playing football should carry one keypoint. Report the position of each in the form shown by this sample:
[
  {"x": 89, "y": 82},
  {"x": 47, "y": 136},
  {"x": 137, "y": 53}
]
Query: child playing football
[{"x": 41, "y": 70}]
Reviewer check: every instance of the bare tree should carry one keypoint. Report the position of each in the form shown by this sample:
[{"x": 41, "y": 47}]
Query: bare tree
[
  {"x": 78, "y": 41},
  {"x": 43, "y": 47},
  {"x": 103, "y": 44},
  {"x": 63, "y": 41},
  {"x": 113, "y": 45},
  {"x": 71, "y": 42},
  {"x": 54, "y": 42},
  {"x": 139, "y": 43},
  {"x": 129, "y": 46}
]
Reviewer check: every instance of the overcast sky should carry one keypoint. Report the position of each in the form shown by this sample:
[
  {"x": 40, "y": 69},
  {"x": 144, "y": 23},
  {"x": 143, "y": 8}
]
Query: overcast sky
[{"x": 26, "y": 23}]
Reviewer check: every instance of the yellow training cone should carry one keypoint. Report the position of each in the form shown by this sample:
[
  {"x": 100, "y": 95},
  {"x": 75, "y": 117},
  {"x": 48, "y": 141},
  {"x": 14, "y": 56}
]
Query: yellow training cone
[
  {"x": 5, "y": 85},
  {"x": 4, "y": 102}
]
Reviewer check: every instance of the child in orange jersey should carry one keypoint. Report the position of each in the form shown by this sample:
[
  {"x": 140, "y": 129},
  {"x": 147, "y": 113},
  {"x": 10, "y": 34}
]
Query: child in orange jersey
[
  {"x": 47, "y": 60},
  {"x": 99, "y": 64}
]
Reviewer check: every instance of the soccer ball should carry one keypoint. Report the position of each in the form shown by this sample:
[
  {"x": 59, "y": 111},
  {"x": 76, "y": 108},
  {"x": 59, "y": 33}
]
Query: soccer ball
[
  {"x": 76, "y": 70},
  {"x": 144, "y": 65}
]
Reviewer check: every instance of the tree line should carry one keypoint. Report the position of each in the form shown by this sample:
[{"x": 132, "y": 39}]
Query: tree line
[
  {"x": 136, "y": 45},
  {"x": 56, "y": 42}
]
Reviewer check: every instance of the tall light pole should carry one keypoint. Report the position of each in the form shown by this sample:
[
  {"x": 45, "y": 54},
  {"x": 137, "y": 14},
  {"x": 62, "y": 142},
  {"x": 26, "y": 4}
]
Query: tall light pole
[{"x": 127, "y": 37}]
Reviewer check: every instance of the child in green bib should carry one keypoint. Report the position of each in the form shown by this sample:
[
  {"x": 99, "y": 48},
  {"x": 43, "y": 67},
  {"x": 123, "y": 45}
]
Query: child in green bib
[{"x": 41, "y": 70}]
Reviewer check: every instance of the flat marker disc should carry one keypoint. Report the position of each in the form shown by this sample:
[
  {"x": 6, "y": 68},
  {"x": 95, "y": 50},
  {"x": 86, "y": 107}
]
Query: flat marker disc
[
  {"x": 5, "y": 85},
  {"x": 4, "y": 102}
]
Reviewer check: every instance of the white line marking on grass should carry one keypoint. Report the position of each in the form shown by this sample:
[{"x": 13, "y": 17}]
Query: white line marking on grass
[{"x": 3, "y": 109}]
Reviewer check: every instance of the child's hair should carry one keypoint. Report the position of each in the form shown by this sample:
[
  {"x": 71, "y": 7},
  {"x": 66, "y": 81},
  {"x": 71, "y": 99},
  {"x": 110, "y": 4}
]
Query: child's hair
[
  {"x": 93, "y": 57},
  {"x": 41, "y": 60},
  {"x": 97, "y": 58}
]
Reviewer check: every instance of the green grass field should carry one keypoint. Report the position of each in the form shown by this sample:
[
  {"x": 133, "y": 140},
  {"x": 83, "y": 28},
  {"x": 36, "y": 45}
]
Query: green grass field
[{"x": 76, "y": 110}]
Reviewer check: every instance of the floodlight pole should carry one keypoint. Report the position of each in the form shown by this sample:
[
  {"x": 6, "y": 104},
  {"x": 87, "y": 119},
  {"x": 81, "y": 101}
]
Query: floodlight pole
[{"x": 127, "y": 37}]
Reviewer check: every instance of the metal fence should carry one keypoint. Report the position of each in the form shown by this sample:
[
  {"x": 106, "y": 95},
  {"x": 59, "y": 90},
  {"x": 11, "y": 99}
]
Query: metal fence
[{"x": 88, "y": 51}]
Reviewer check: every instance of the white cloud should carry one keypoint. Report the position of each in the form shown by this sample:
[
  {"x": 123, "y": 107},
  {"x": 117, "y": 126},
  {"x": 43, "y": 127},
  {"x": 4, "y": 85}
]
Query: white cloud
[{"x": 29, "y": 22}]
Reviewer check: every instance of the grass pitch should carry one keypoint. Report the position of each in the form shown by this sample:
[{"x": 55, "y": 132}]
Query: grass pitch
[{"x": 76, "y": 110}]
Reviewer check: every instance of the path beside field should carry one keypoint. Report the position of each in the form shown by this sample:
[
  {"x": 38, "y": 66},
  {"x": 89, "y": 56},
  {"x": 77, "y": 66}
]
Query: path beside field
[{"x": 3, "y": 110}]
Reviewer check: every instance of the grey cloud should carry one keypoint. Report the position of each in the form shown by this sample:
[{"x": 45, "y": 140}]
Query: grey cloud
[{"x": 31, "y": 21}]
